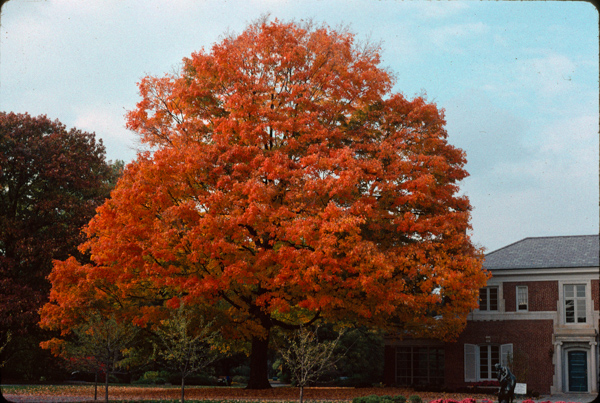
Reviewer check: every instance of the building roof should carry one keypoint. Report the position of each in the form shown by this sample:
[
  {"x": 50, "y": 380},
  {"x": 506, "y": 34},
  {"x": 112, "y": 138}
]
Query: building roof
[{"x": 546, "y": 252}]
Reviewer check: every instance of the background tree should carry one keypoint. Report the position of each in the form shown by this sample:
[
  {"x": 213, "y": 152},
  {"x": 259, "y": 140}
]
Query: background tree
[
  {"x": 286, "y": 184},
  {"x": 51, "y": 181},
  {"x": 362, "y": 363},
  {"x": 187, "y": 343},
  {"x": 98, "y": 344},
  {"x": 308, "y": 358}
]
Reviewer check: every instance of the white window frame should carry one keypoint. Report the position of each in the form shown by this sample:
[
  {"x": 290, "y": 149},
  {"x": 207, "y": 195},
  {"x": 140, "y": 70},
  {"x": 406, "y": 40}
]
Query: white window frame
[
  {"x": 522, "y": 296},
  {"x": 485, "y": 351},
  {"x": 579, "y": 303},
  {"x": 487, "y": 291},
  {"x": 472, "y": 360}
]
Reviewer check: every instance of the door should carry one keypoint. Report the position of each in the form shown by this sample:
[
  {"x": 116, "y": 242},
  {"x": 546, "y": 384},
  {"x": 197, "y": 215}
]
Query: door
[{"x": 578, "y": 378}]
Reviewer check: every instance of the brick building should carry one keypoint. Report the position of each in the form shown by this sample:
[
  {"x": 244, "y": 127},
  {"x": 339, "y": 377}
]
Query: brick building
[{"x": 538, "y": 314}]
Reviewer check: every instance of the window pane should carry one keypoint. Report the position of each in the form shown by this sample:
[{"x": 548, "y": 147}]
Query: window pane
[
  {"x": 436, "y": 366},
  {"x": 522, "y": 298},
  {"x": 581, "y": 311},
  {"x": 483, "y": 299},
  {"x": 484, "y": 362},
  {"x": 570, "y": 311},
  {"x": 581, "y": 291},
  {"x": 569, "y": 291},
  {"x": 403, "y": 365},
  {"x": 420, "y": 365},
  {"x": 493, "y": 299}
]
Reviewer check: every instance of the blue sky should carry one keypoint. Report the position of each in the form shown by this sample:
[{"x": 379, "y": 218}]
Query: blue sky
[{"x": 518, "y": 81}]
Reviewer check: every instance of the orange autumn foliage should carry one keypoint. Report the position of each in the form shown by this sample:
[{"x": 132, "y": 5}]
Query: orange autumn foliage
[{"x": 285, "y": 182}]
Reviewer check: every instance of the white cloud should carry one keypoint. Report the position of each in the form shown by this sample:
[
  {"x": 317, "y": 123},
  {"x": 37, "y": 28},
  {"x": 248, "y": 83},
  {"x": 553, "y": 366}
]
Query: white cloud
[
  {"x": 490, "y": 134},
  {"x": 548, "y": 76},
  {"x": 109, "y": 125},
  {"x": 454, "y": 37},
  {"x": 436, "y": 10},
  {"x": 576, "y": 137},
  {"x": 530, "y": 177},
  {"x": 500, "y": 218}
]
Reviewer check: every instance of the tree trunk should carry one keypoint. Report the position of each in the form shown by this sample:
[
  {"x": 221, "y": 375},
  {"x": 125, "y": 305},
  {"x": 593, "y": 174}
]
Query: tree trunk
[
  {"x": 96, "y": 386},
  {"x": 106, "y": 386},
  {"x": 301, "y": 393},
  {"x": 259, "y": 371},
  {"x": 182, "y": 389},
  {"x": 2, "y": 399}
]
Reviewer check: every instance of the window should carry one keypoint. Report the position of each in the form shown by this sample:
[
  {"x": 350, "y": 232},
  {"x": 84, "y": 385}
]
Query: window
[
  {"x": 488, "y": 299},
  {"x": 419, "y": 366},
  {"x": 481, "y": 359},
  {"x": 522, "y": 298},
  {"x": 489, "y": 356},
  {"x": 575, "y": 303}
]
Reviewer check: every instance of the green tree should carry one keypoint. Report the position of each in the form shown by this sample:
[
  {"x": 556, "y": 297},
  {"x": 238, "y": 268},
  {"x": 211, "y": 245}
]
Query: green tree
[
  {"x": 187, "y": 343},
  {"x": 308, "y": 358},
  {"x": 99, "y": 344},
  {"x": 362, "y": 364}
]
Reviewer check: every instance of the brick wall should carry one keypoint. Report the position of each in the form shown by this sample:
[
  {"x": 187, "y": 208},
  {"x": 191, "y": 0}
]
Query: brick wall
[
  {"x": 543, "y": 295},
  {"x": 532, "y": 338},
  {"x": 596, "y": 294}
]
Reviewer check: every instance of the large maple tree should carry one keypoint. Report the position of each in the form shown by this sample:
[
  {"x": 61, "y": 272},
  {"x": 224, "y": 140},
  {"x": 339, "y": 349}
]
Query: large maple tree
[{"x": 286, "y": 183}]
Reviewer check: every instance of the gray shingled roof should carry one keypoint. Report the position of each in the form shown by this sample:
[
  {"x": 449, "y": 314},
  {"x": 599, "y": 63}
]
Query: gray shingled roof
[{"x": 546, "y": 252}]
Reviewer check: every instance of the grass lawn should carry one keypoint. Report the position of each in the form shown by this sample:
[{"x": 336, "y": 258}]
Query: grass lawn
[{"x": 215, "y": 394}]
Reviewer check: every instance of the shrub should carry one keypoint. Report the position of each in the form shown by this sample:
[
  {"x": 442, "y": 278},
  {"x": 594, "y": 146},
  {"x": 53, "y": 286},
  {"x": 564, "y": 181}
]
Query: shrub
[
  {"x": 200, "y": 379},
  {"x": 382, "y": 399},
  {"x": 153, "y": 378},
  {"x": 240, "y": 379},
  {"x": 243, "y": 370},
  {"x": 415, "y": 399},
  {"x": 375, "y": 399}
]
